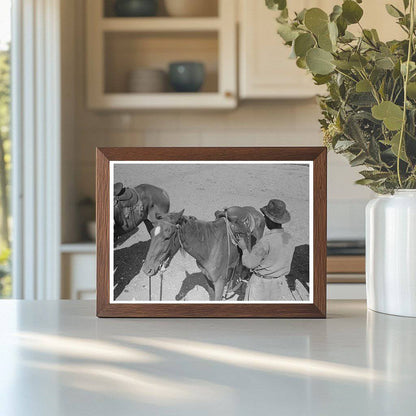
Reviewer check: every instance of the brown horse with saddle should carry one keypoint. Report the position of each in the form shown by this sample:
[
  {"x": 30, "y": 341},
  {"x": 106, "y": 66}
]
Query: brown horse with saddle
[
  {"x": 211, "y": 243},
  {"x": 132, "y": 206}
]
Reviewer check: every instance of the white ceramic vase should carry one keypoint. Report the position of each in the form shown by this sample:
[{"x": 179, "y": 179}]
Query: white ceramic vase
[{"x": 391, "y": 253}]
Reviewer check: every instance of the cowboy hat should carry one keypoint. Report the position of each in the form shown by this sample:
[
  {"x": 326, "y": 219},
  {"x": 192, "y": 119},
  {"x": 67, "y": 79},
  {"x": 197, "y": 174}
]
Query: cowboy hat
[{"x": 276, "y": 211}]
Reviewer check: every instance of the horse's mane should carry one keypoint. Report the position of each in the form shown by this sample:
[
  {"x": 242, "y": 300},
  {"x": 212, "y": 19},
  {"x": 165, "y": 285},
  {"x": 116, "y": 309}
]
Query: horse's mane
[{"x": 201, "y": 228}]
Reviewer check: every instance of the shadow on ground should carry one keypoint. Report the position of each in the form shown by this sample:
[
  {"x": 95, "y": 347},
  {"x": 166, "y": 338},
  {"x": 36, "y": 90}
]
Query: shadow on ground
[
  {"x": 124, "y": 237},
  {"x": 299, "y": 269},
  {"x": 191, "y": 281},
  {"x": 127, "y": 264}
]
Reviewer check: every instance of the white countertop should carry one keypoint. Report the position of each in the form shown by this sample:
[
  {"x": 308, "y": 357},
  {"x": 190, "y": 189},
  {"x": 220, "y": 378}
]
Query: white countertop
[{"x": 58, "y": 359}]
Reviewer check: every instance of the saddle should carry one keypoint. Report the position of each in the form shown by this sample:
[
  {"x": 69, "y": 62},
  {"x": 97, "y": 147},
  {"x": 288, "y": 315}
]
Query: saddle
[
  {"x": 128, "y": 207},
  {"x": 241, "y": 221},
  {"x": 126, "y": 196}
]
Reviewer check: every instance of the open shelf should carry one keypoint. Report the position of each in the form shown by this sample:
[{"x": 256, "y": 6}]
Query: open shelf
[
  {"x": 116, "y": 46},
  {"x": 160, "y": 24},
  {"x": 127, "y": 51},
  {"x": 130, "y": 101},
  {"x": 210, "y": 9}
]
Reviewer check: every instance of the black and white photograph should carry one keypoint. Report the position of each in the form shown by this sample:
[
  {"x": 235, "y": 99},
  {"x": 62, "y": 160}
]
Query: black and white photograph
[{"x": 211, "y": 232}]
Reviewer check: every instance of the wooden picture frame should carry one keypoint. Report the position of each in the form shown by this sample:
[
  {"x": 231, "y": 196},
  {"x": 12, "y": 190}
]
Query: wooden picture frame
[{"x": 317, "y": 159}]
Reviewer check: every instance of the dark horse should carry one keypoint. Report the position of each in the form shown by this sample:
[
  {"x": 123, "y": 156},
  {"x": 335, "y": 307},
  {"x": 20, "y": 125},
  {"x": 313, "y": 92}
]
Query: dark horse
[
  {"x": 132, "y": 206},
  {"x": 209, "y": 243}
]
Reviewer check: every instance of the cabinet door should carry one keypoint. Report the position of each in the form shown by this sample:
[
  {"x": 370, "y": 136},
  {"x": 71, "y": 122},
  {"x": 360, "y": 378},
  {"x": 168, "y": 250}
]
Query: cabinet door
[{"x": 265, "y": 68}]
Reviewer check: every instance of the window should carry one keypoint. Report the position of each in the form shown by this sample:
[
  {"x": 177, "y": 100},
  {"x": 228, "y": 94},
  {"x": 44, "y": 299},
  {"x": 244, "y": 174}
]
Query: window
[{"x": 5, "y": 145}]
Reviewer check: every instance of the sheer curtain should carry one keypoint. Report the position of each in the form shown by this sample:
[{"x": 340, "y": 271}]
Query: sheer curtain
[{"x": 36, "y": 148}]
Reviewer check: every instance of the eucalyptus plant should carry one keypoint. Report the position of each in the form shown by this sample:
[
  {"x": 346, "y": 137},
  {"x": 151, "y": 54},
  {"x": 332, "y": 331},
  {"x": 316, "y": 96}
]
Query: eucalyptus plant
[{"x": 369, "y": 113}]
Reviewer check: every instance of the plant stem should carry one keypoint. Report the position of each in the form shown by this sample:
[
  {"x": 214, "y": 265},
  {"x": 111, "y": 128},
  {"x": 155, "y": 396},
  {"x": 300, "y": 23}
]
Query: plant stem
[
  {"x": 345, "y": 75},
  {"x": 406, "y": 80},
  {"x": 373, "y": 89}
]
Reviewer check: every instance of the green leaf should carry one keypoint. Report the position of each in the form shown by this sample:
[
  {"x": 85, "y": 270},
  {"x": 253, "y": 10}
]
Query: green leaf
[
  {"x": 393, "y": 11},
  {"x": 412, "y": 67},
  {"x": 363, "y": 86},
  {"x": 364, "y": 181},
  {"x": 351, "y": 11},
  {"x": 301, "y": 15},
  {"x": 316, "y": 20},
  {"x": 342, "y": 25},
  {"x": 303, "y": 43},
  {"x": 374, "y": 175},
  {"x": 286, "y": 32},
  {"x": 361, "y": 99},
  {"x": 343, "y": 65},
  {"x": 391, "y": 114},
  {"x": 385, "y": 63},
  {"x": 343, "y": 145},
  {"x": 375, "y": 35},
  {"x": 336, "y": 12},
  {"x": 368, "y": 36},
  {"x": 333, "y": 32},
  {"x": 406, "y": 4},
  {"x": 358, "y": 160},
  {"x": 321, "y": 79},
  {"x": 301, "y": 63},
  {"x": 319, "y": 61},
  {"x": 358, "y": 61},
  {"x": 276, "y": 4},
  {"x": 394, "y": 144},
  {"x": 411, "y": 90},
  {"x": 347, "y": 37},
  {"x": 324, "y": 42},
  {"x": 374, "y": 150}
]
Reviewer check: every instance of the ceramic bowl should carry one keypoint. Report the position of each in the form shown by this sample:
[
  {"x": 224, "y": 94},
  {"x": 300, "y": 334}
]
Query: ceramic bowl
[
  {"x": 186, "y": 76},
  {"x": 136, "y": 8}
]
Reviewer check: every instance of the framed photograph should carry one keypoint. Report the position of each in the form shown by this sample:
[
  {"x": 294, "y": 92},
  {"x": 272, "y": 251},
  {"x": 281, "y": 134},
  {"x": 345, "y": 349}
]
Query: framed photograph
[{"x": 211, "y": 232}]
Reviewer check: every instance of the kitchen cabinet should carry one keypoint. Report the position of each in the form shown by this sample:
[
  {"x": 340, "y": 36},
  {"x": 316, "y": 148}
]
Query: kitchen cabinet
[
  {"x": 265, "y": 70},
  {"x": 78, "y": 263},
  {"x": 116, "y": 46}
]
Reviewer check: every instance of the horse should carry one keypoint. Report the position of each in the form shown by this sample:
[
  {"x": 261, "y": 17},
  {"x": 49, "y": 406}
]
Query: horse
[
  {"x": 132, "y": 206},
  {"x": 208, "y": 242}
]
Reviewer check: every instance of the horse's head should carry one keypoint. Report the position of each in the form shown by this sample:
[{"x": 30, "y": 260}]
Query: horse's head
[{"x": 164, "y": 242}]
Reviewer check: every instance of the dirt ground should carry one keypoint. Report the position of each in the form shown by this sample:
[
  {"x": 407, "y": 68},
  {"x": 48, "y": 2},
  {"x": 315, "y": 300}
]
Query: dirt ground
[{"x": 201, "y": 189}]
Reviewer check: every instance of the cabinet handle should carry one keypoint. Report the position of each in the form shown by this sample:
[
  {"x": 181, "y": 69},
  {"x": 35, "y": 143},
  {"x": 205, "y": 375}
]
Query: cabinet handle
[{"x": 228, "y": 94}]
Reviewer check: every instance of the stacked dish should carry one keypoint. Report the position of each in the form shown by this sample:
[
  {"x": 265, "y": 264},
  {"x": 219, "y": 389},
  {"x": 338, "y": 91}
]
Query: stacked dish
[{"x": 147, "y": 80}]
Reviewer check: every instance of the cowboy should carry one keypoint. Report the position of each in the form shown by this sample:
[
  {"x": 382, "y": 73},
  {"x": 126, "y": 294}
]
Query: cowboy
[{"x": 271, "y": 257}]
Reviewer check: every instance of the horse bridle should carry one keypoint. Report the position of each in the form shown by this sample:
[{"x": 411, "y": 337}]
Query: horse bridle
[{"x": 171, "y": 242}]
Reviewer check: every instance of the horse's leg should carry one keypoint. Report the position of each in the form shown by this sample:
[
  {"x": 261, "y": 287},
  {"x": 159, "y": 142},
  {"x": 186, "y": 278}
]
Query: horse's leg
[
  {"x": 148, "y": 225},
  {"x": 211, "y": 288},
  {"x": 211, "y": 293},
  {"x": 219, "y": 288}
]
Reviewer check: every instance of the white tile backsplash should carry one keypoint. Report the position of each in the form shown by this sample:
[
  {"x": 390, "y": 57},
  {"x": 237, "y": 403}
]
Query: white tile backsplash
[{"x": 286, "y": 123}]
